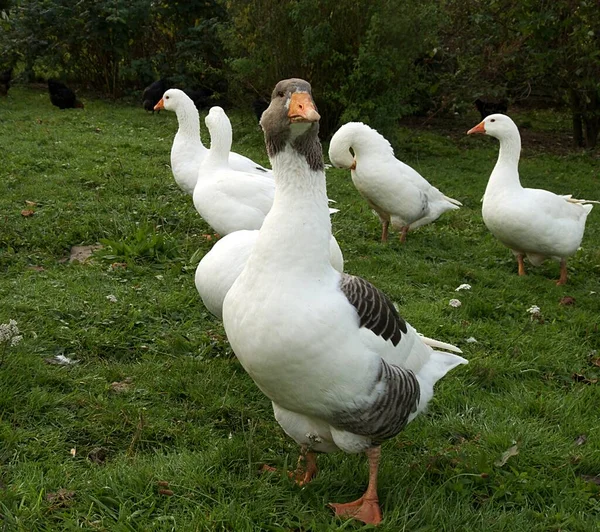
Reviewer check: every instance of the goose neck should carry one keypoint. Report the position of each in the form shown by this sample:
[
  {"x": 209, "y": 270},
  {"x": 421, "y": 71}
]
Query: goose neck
[{"x": 297, "y": 230}]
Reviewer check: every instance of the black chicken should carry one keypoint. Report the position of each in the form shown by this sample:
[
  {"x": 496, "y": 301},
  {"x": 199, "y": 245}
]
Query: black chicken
[
  {"x": 490, "y": 108},
  {"x": 153, "y": 93},
  {"x": 62, "y": 96},
  {"x": 201, "y": 97},
  {"x": 259, "y": 106},
  {"x": 5, "y": 79}
]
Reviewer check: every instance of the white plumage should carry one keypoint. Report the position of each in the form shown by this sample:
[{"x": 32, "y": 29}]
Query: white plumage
[
  {"x": 531, "y": 222},
  {"x": 329, "y": 350},
  {"x": 229, "y": 200},
  {"x": 188, "y": 151},
  {"x": 395, "y": 191},
  {"x": 221, "y": 266}
]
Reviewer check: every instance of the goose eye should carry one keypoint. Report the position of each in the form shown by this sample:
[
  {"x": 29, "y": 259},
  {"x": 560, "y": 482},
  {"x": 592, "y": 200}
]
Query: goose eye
[
  {"x": 493, "y": 120},
  {"x": 281, "y": 94},
  {"x": 166, "y": 97}
]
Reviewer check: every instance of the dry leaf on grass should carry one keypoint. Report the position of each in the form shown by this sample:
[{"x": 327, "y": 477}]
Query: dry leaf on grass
[
  {"x": 567, "y": 301},
  {"x": 578, "y": 377},
  {"x": 581, "y": 439},
  {"x": 168, "y": 493},
  {"x": 61, "y": 498},
  {"x": 98, "y": 455},
  {"x": 592, "y": 478},
  {"x": 30, "y": 203},
  {"x": 510, "y": 452},
  {"x": 36, "y": 268},
  {"x": 27, "y": 212},
  {"x": 123, "y": 386},
  {"x": 83, "y": 253}
]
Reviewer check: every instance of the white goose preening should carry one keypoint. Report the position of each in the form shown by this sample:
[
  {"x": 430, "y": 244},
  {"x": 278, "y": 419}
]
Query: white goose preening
[
  {"x": 395, "y": 191},
  {"x": 188, "y": 151},
  {"x": 530, "y": 221},
  {"x": 221, "y": 266},
  {"x": 227, "y": 199},
  {"x": 341, "y": 367}
]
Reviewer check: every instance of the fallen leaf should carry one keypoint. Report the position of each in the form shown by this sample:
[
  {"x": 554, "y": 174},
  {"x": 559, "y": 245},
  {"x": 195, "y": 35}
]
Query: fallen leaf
[
  {"x": 30, "y": 203},
  {"x": 511, "y": 451},
  {"x": 168, "y": 493},
  {"x": 36, "y": 268},
  {"x": 118, "y": 265},
  {"x": 62, "y": 495},
  {"x": 581, "y": 439},
  {"x": 27, "y": 212},
  {"x": 73, "y": 452},
  {"x": 578, "y": 377},
  {"x": 83, "y": 253},
  {"x": 98, "y": 455},
  {"x": 121, "y": 387},
  {"x": 163, "y": 483},
  {"x": 567, "y": 301},
  {"x": 591, "y": 478}
]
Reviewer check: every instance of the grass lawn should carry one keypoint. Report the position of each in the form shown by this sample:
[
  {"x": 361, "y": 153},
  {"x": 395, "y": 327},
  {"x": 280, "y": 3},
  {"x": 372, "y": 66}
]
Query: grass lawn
[{"x": 157, "y": 426}]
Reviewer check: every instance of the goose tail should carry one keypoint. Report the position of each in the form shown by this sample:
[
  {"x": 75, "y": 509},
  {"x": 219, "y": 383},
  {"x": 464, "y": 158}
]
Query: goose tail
[{"x": 436, "y": 344}]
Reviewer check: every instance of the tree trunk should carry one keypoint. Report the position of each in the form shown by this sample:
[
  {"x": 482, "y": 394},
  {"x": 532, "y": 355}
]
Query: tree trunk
[
  {"x": 577, "y": 119},
  {"x": 591, "y": 120}
]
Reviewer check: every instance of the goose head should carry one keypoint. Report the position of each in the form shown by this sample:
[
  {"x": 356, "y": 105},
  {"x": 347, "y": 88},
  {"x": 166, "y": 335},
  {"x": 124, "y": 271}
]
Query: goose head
[
  {"x": 171, "y": 100},
  {"x": 215, "y": 117},
  {"x": 498, "y": 125},
  {"x": 292, "y": 120}
]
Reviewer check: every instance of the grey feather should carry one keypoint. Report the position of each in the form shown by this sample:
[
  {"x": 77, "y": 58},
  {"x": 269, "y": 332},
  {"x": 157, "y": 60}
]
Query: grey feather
[
  {"x": 375, "y": 311},
  {"x": 396, "y": 395}
]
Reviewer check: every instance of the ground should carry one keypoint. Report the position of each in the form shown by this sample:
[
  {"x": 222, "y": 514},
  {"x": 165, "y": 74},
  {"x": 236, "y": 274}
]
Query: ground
[{"x": 157, "y": 427}]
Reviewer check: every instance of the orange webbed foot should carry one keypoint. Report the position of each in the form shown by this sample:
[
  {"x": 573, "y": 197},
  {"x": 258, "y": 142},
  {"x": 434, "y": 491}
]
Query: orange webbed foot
[{"x": 363, "y": 509}]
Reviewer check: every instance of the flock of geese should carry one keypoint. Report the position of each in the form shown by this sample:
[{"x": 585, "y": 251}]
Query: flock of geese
[{"x": 343, "y": 369}]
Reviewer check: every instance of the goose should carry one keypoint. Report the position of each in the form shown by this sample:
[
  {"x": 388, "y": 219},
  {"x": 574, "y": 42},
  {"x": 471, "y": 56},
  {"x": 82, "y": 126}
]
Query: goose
[
  {"x": 395, "y": 191},
  {"x": 188, "y": 151},
  {"x": 531, "y": 222},
  {"x": 221, "y": 266},
  {"x": 229, "y": 200},
  {"x": 342, "y": 369}
]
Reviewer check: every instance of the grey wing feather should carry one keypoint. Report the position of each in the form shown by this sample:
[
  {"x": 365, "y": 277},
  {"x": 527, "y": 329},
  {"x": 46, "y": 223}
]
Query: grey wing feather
[
  {"x": 375, "y": 311},
  {"x": 397, "y": 395}
]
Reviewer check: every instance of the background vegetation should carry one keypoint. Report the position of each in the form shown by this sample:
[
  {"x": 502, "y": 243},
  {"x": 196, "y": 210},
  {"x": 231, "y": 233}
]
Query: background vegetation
[{"x": 376, "y": 61}]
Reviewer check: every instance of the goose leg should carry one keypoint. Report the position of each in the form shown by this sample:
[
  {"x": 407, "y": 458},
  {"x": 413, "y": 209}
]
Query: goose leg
[
  {"x": 384, "y": 230},
  {"x": 365, "y": 509},
  {"x": 521, "y": 264},
  {"x": 403, "y": 233},
  {"x": 306, "y": 468},
  {"x": 563, "y": 273}
]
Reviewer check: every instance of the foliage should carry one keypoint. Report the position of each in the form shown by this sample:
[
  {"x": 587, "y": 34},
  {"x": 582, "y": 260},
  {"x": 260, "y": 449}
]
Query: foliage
[
  {"x": 359, "y": 56},
  {"x": 507, "y": 48}
]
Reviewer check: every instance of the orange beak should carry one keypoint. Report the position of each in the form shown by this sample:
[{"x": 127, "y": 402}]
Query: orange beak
[
  {"x": 479, "y": 128},
  {"x": 160, "y": 105},
  {"x": 302, "y": 108}
]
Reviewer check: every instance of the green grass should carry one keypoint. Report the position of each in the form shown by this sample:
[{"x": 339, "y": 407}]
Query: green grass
[{"x": 190, "y": 416}]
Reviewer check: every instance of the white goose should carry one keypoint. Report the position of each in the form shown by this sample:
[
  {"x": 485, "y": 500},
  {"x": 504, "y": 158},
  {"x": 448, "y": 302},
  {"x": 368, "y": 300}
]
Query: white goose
[
  {"x": 227, "y": 199},
  {"x": 188, "y": 151},
  {"x": 221, "y": 266},
  {"x": 342, "y": 368},
  {"x": 394, "y": 190},
  {"x": 530, "y": 221}
]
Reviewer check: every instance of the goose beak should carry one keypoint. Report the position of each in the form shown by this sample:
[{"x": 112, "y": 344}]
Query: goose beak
[
  {"x": 302, "y": 108},
  {"x": 479, "y": 128},
  {"x": 160, "y": 105}
]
